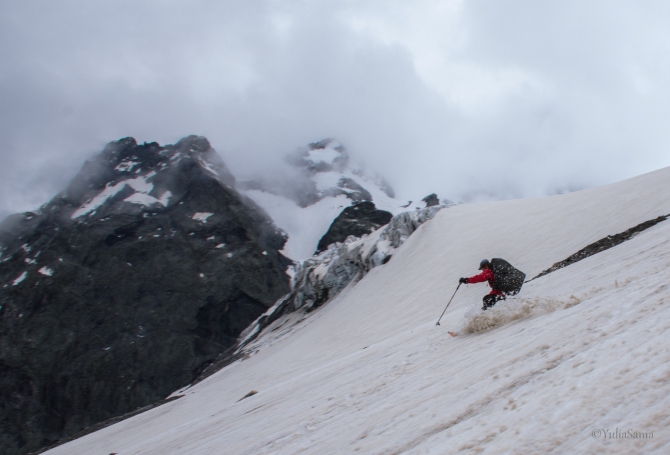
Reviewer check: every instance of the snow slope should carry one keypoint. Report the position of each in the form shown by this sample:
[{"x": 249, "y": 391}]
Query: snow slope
[
  {"x": 580, "y": 350},
  {"x": 304, "y": 225}
]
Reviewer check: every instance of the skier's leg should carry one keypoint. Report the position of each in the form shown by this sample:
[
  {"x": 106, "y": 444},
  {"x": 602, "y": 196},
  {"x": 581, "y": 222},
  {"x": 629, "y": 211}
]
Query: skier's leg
[{"x": 488, "y": 301}]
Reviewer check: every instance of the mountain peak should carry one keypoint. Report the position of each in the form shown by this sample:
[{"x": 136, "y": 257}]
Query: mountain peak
[
  {"x": 127, "y": 175},
  {"x": 326, "y": 155}
]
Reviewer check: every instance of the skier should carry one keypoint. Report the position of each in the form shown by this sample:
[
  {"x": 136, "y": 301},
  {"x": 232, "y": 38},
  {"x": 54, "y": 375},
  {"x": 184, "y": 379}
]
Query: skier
[{"x": 486, "y": 275}]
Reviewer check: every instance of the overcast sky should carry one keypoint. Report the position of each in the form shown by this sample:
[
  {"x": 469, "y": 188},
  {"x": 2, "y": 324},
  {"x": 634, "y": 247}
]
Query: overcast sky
[{"x": 470, "y": 99}]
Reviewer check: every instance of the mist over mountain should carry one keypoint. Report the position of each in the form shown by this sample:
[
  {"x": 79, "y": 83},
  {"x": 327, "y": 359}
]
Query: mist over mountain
[
  {"x": 474, "y": 100},
  {"x": 314, "y": 186}
]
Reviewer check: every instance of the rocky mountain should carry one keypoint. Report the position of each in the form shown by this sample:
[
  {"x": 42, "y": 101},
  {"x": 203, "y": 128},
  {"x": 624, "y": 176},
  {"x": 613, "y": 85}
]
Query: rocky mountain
[
  {"x": 127, "y": 285},
  {"x": 318, "y": 183}
]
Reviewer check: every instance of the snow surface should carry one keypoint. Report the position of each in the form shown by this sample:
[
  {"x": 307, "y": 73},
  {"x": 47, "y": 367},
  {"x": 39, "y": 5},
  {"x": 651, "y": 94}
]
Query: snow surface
[
  {"x": 126, "y": 166},
  {"x": 304, "y": 226},
  {"x": 46, "y": 271},
  {"x": 145, "y": 199},
  {"x": 580, "y": 350},
  {"x": 202, "y": 216},
  {"x": 208, "y": 166},
  {"x": 20, "y": 278}
]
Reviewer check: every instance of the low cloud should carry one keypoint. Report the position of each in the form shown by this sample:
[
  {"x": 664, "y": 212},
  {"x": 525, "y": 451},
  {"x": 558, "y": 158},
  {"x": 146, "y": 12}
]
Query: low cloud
[{"x": 472, "y": 100}]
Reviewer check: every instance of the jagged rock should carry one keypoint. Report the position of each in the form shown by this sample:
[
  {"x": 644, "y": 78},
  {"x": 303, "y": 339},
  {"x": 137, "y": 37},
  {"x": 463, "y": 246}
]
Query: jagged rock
[
  {"x": 431, "y": 200},
  {"x": 358, "y": 220},
  {"x": 126, "y": 286}
]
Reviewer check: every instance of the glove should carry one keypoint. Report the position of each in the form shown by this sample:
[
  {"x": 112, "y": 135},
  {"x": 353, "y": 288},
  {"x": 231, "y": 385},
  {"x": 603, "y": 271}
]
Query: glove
[{"x": 463, "y": 281}]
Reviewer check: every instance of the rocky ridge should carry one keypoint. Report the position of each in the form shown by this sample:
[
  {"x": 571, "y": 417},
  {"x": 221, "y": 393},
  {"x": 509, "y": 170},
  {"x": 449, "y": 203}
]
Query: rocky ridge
[{"x": 357, "y": 220}]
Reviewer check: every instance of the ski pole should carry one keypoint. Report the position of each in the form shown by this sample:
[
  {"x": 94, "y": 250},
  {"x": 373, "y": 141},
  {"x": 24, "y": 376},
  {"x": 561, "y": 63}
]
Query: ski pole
[{"x": 452, "y": 298}]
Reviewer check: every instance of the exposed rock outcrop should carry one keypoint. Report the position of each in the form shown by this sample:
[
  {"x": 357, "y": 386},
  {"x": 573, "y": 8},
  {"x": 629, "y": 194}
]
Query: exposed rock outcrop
[
  {"x": 431, "y": 200},
  {"x": 358, "y": 220},
  {"x": 126, "y": 286},
  {"x": 601, "y": 245}
]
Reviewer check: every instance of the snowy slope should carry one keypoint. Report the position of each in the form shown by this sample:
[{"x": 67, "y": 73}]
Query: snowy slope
[
  {"x": 304, "y": 225},
  {"x": 582, "y": 349}
]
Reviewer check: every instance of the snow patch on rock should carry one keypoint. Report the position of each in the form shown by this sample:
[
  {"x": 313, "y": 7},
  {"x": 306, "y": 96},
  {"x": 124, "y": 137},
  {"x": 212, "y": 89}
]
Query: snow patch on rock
[
  {"x": 142, "y": 188},
  {"x": 145, "y": 199},
  {"x": 202, "y": 216},
  {"x": 208, "y": 166},
  {"x": 20, "y": 278},
  {"x": 46, "y": 271},
  {"x": 126, "y": 166}
]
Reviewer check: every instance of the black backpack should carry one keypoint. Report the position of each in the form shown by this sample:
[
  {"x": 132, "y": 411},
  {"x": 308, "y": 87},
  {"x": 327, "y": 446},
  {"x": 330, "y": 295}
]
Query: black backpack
[{"x": 508, "y": 279}]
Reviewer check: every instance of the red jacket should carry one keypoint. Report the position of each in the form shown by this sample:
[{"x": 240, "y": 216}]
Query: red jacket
[{"x": 486, "y": 275}]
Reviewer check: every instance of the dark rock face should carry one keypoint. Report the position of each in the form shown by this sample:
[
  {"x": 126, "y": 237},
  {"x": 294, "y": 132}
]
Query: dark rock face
[
  {"x": 356, "y": 192},
  {"x": 126, "y": 286},
  {"x": 357, "y": 220},
  {"x": 431, "y": 200}
]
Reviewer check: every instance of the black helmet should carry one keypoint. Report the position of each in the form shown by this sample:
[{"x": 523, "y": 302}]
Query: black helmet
[{"x": 484, "y": 263}]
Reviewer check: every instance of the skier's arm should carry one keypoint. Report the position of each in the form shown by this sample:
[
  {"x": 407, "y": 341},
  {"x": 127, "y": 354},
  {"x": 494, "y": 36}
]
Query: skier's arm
[{"x": 486, "y": 275}]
